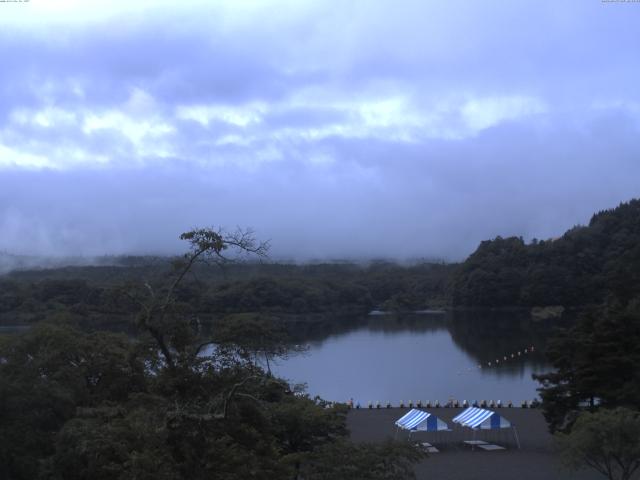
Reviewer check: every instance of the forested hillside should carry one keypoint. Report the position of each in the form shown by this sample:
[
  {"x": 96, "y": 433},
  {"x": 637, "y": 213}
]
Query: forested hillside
[
  {"x": 580, "y": 268},
  {"x": 97, "y": 295}
]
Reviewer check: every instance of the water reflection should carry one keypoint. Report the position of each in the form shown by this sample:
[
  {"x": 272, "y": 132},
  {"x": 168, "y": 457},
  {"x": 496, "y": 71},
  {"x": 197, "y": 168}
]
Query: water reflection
[
  {"x": 423, "y": 357},
  {"x": 490, "y": 336}
]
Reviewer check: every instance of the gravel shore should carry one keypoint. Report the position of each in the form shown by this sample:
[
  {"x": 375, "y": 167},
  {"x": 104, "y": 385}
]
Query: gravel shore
[{"x": 535, "y": 460}]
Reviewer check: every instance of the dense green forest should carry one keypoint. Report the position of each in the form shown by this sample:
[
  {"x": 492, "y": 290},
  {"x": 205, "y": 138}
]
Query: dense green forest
[
  {"x": 591, "y": 396},
  {"x": 595, "y": 363},
  {"x": 77, "y": 402},
  {"x": 96, "y": 295},
  {"x": 582, "y": 267},
  {"x": 175, "y": 401}
]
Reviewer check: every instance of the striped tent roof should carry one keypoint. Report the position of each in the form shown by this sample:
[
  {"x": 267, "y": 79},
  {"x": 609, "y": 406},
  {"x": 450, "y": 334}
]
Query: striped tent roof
[
  {"x": 420, "y": 420},
  {"x": 475, "y": 417}
]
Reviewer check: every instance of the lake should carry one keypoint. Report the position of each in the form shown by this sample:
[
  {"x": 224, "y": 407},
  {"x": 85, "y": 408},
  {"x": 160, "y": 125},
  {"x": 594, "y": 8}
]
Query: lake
[{"x": 424, "y": 357}]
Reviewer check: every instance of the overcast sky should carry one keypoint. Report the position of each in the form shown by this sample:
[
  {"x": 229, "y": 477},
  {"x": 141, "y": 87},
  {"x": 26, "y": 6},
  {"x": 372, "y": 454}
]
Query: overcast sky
[{"x": 334, "y": 128}]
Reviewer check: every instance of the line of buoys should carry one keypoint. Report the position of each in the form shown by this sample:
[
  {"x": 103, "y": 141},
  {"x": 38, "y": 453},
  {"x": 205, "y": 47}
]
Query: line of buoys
[{"x": 497, "y": 361}]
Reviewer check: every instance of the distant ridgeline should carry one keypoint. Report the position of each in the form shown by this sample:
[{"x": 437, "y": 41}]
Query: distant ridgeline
[
  {"x": 96, "y": 294},
  {"x": 583, "y": 267}
]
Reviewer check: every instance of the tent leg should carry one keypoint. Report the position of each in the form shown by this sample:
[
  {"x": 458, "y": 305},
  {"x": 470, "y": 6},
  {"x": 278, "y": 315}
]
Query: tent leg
[{"x": 515, "y": 434}]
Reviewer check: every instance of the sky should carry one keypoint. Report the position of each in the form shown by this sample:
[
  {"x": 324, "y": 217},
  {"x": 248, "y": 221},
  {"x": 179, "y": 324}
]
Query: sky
[{"x": 335, "y": 129}]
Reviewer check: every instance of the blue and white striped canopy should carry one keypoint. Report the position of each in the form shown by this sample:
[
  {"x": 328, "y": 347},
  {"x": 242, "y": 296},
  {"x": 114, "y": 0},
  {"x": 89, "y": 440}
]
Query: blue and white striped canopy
[
  {"x": 474, "y": 417},
  {"x": 420, "y": 420}
]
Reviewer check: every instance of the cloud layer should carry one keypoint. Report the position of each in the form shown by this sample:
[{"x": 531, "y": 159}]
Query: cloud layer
[{"x": 369, "y": 129}]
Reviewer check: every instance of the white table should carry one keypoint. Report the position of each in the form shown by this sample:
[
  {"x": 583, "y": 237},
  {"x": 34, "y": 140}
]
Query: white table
[{"x": 490, "y": 447}]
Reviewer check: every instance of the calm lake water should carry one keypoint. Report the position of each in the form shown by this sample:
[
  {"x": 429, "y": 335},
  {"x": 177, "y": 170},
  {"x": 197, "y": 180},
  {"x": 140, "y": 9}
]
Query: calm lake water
[{"x": 424, "y": 357}]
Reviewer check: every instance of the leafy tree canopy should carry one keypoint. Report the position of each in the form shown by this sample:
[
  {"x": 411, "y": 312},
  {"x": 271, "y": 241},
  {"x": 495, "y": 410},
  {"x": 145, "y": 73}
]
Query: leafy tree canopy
[
  {"x": 173, "y": 402},
  {"x": 607, "y": 441},
  {"x": 596, "y": 363}
]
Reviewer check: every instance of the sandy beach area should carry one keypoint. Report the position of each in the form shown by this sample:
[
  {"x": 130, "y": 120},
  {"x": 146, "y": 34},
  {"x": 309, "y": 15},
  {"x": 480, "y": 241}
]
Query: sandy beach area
[{"x": 535, "y": 460}]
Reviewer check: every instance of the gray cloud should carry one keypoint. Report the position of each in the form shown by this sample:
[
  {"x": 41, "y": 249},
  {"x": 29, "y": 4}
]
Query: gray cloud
[{"x": 393, "y": 130}]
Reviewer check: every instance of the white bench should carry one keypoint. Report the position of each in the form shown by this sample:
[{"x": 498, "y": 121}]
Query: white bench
[{"x": 429, "y": 448}]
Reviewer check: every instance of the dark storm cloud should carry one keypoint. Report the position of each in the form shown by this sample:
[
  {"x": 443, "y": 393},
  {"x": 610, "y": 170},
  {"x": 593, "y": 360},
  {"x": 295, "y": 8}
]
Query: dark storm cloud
[{"x": 375, "y": 129}]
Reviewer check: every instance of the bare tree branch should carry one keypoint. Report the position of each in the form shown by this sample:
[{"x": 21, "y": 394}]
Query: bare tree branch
[
  {"x": 232, "y": 392},
  {"x": 204, "y": 244}
]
